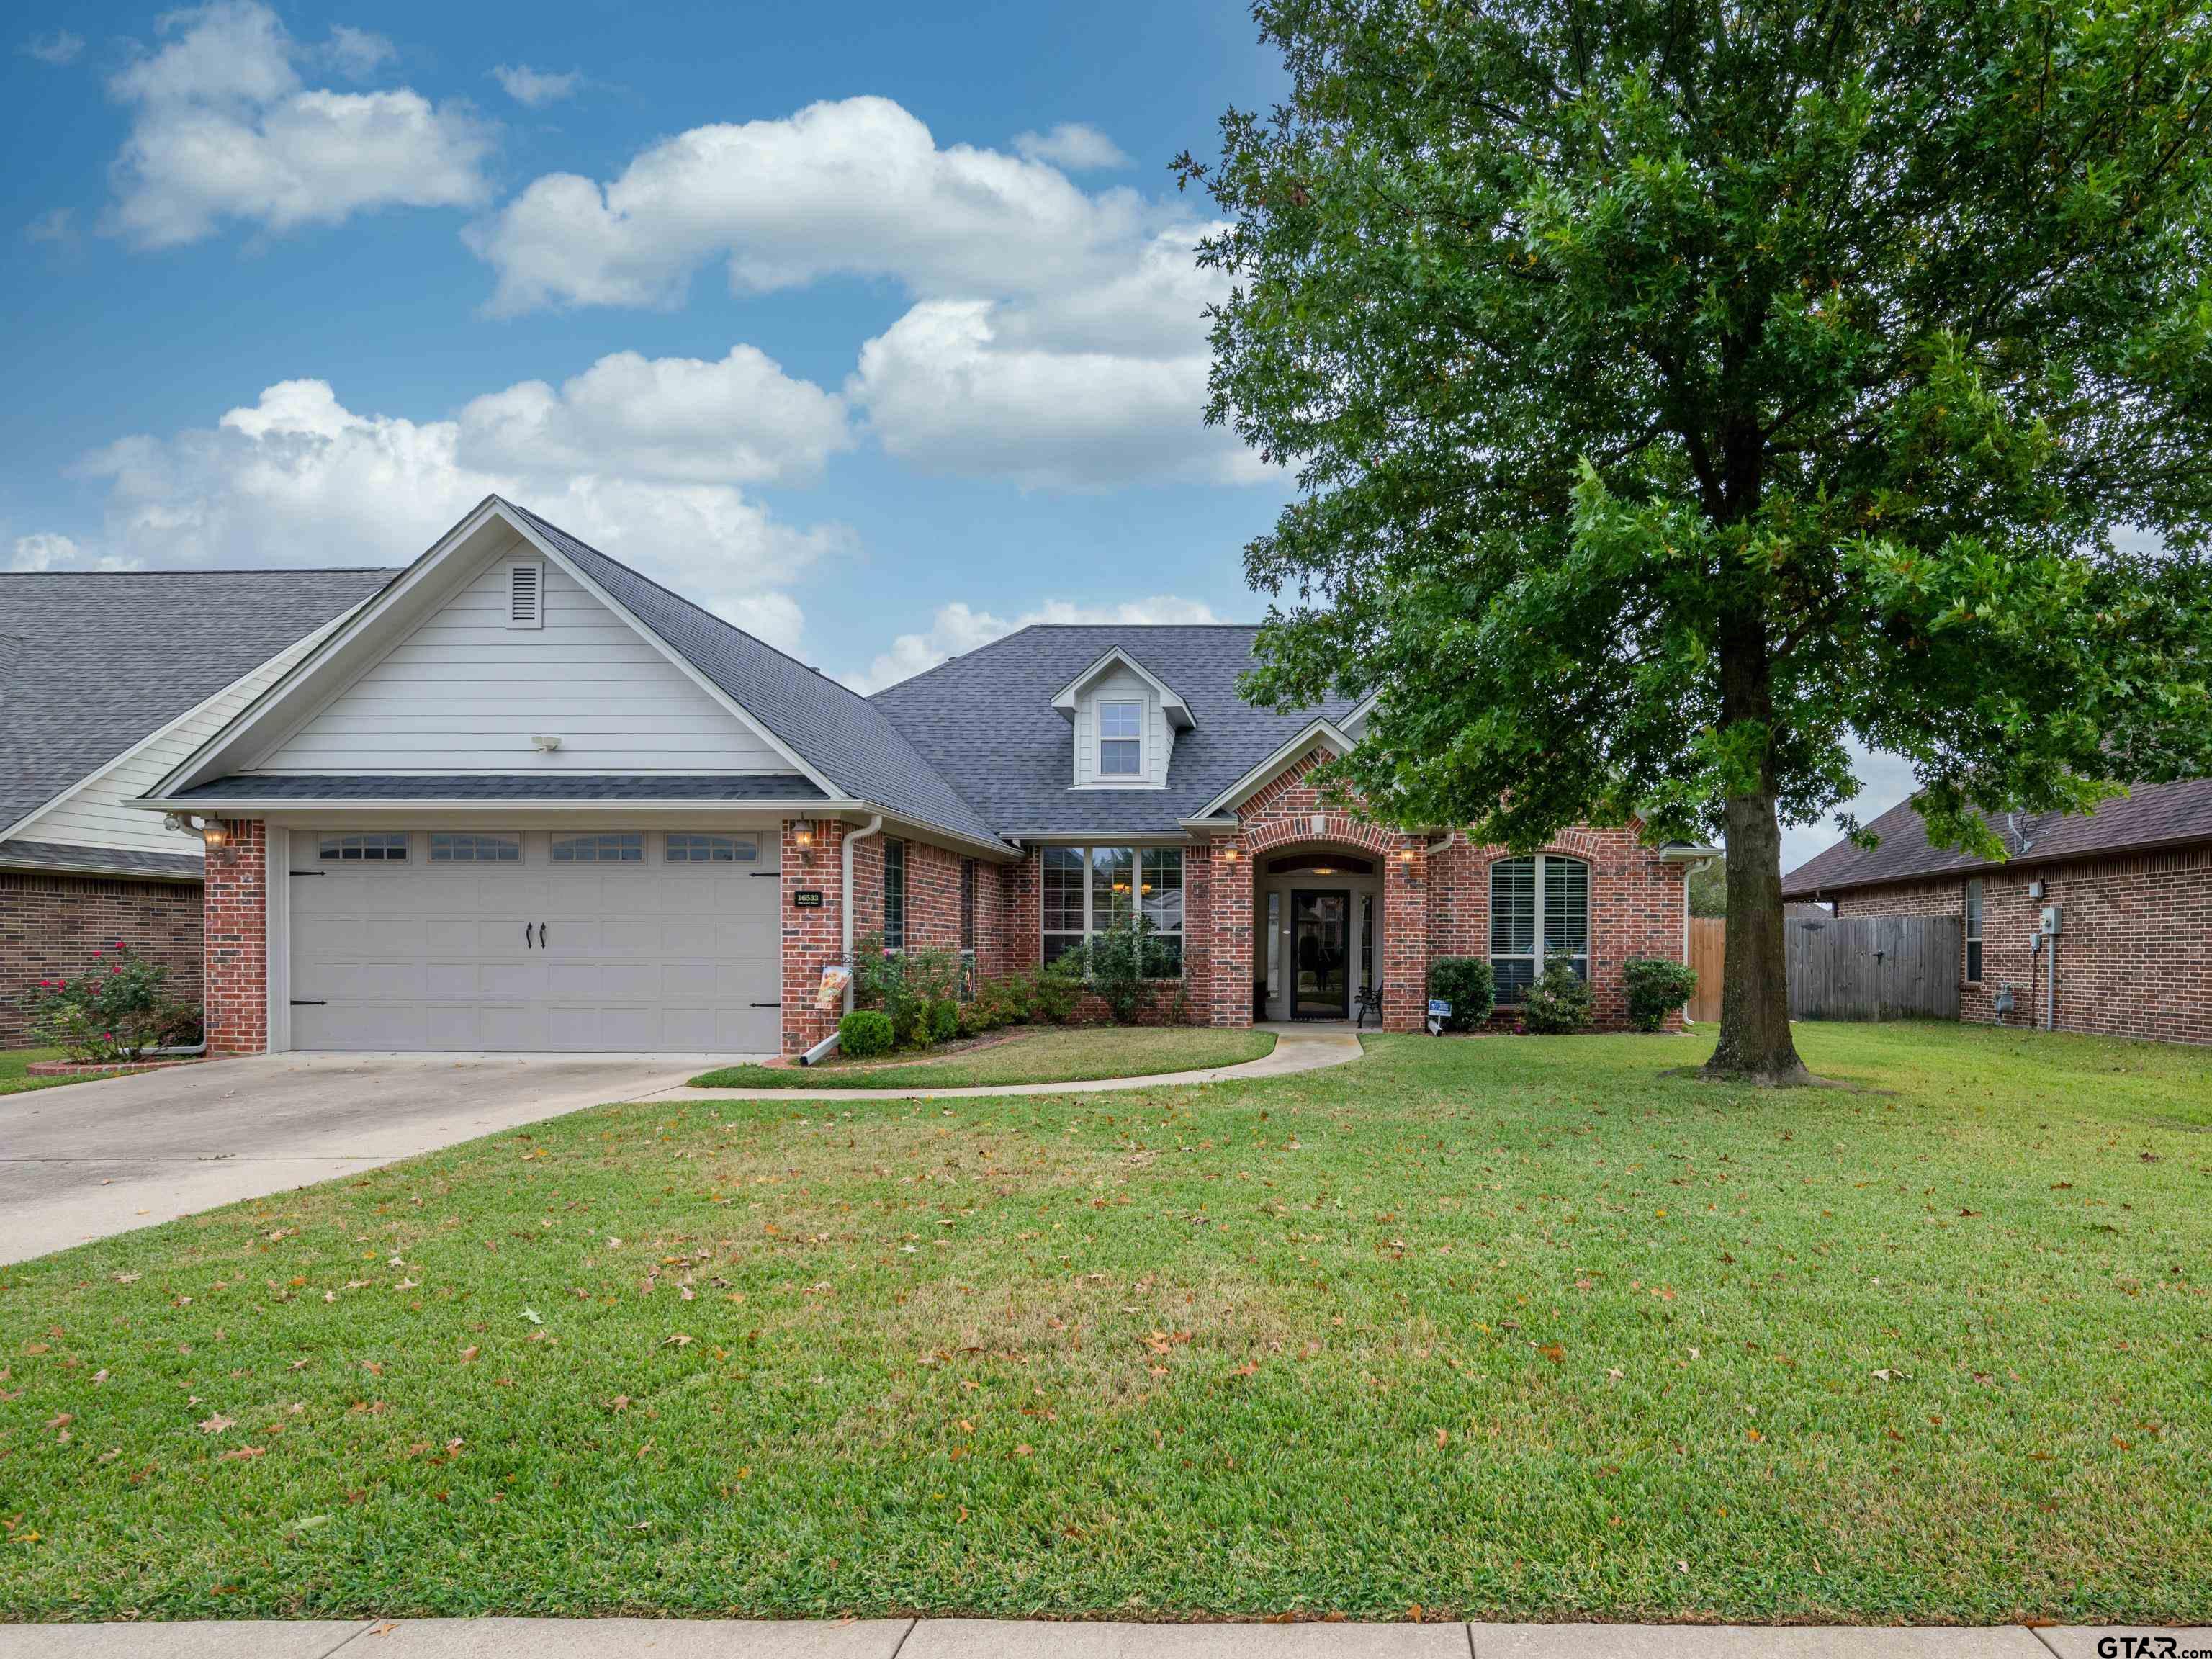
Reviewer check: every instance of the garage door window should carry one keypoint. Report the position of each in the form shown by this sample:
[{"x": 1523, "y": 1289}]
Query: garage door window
[
  {"x": 475, "y": 849},
  {"x": 624, "y": 847},
  {"x": 378, "y": 847},
  {"x": 711, "y": 850}
]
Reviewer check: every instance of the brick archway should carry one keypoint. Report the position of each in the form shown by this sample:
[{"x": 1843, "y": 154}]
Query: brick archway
[{"x": 1267, "y": 834}]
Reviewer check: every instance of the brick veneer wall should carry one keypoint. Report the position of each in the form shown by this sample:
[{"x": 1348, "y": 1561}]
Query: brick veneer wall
[
  {"x": 235, "y": 924},
  {"x": 813, "y": 939},
  {"x": 51, "y": 923},
  {"x": 2135, "y": 949}
]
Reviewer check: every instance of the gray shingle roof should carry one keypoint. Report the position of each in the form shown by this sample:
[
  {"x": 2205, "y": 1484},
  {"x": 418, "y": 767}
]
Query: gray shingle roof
[
  {"x": 986, "y": 722},
  {"x": 489, "y": 786},
  {"x": 103, "y": 659},
  {"x": 2154, "y": 814},
  {"x": 839, "y": 732},
  {"x": 118, "y": 860}
]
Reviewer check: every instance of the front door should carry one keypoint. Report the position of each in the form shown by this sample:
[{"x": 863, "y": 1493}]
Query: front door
[{"x": 1320, "y": 955}]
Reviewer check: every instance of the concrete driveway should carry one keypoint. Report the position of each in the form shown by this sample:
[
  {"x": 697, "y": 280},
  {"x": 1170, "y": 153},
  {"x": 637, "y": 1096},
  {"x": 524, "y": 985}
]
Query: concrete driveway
[{"x": 90, "y": 1159}]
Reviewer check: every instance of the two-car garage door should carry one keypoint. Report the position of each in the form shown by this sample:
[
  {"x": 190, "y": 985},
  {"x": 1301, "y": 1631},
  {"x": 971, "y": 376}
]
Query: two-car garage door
[{"x": 623, "y": 940}]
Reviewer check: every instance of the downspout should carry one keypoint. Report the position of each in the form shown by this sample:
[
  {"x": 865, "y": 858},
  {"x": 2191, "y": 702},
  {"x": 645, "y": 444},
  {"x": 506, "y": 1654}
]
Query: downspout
[{"x": 874, "y": 826}]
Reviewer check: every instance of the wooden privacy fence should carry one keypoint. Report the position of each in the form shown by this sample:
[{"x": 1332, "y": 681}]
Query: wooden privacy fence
[
  {"x": 1708, "y": 958},
  {"x": 1872, "y": 967}
]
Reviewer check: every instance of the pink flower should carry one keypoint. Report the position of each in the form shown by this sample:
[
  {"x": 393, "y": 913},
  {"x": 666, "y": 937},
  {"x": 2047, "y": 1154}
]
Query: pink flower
[{"x": 117, "y": 969}]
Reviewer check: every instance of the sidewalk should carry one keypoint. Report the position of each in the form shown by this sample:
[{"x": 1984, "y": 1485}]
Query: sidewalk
[
  {"x": 1295, "y": 1050},
  {"x": 977, "y": 1639}
]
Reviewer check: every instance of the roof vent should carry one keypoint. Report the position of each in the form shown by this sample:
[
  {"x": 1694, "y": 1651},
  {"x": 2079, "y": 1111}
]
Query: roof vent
[{"x": 526, "y": 595}]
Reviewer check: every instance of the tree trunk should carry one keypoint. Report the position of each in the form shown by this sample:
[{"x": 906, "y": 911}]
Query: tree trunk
[{"x": 1755, "y": 1045}]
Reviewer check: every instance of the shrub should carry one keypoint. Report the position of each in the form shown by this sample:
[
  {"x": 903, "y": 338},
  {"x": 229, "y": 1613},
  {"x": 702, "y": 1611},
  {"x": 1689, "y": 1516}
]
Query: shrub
[
  {"x": 998, "y": 1002},
  {"x": 1057, "y": 989},
  {"x": 114, "y": 1009},
  {"x": 1123, "y": 963},
  {"x": 902, "y": 984},
  {"x": 1559, "y": 1001},
  {"x": 1469, "y": 985},
  {"x": 865, "y": 1033},
  {"x": 943, "y": 1021},
  {"x": 1655, "y": 988}
]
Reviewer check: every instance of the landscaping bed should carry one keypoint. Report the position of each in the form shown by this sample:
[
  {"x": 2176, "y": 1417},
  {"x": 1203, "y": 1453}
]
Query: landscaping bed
[
  {"x": 1039, "y": 1054},
  {"x": 1512, "y": 1330}
]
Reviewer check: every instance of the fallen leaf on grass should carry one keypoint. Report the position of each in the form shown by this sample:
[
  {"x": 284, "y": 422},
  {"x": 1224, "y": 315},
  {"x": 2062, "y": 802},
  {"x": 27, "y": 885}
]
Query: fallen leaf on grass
[
  {"x": 217, "y": 1424},
  {"x": 239, "y": 1453},
  {"x": 679, "y": 1340}
]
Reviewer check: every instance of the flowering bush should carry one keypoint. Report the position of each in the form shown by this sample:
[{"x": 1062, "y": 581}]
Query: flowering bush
[{"x": 115, "y": 1010}]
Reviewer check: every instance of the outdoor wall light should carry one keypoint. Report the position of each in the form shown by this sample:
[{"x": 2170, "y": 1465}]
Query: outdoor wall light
[
  {"x": 1228, "y": 855},
  {"x": 802, "y": 833},
  {"x": 216, "y": 833},
  {"x": 1405, "y": 855}
]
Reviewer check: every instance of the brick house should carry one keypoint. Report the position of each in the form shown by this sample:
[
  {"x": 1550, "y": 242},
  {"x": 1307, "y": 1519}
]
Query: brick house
[
  {"x": 108, "y": 679},
  {"x": 527, "y": 799},
  {"x": 2132, "y": 884}
]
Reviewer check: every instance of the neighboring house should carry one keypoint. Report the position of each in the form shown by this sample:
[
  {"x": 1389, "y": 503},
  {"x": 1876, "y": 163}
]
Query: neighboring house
[
  {"x": 526, "y": 799},
  {"x": 2132, "y": 882},
  {"x": 107, "y": 680}
]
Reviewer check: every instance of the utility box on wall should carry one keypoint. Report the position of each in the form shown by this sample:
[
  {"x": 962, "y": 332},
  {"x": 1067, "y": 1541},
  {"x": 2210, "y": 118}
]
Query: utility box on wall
[{"x": 2051, "y": 919}]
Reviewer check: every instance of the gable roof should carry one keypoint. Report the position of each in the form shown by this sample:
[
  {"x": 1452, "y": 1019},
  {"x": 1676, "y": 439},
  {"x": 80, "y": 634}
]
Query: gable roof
[
  {"x": 2153, "y": 815},
  {"x": 1171, "y": 704},
  {"x": 831, "y": 726},
  {"x": 987, "y": 722},
  {"x": 98, "y": 661}
]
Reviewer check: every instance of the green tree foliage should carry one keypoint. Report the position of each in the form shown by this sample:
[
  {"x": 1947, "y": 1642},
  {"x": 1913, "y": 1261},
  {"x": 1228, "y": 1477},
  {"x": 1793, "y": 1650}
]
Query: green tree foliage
[
  {"x": 1678, "y": 389},
  {"x": 1709, "y": 888}
]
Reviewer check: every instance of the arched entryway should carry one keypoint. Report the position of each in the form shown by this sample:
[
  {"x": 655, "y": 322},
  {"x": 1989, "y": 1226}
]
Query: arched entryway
[{"x": 1317, "y": 930}]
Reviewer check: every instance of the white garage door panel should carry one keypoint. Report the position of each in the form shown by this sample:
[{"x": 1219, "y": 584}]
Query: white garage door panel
[{"x": 635, "y": 957}]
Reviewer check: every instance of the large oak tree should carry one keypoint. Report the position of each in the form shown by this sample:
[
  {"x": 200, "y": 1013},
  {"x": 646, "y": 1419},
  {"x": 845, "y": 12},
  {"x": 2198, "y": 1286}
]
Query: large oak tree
[{"x": 1678, "y": 389}]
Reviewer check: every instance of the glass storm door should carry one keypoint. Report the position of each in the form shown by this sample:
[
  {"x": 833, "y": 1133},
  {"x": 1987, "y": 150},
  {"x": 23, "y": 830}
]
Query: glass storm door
[{"x": 1320, "y": 955}]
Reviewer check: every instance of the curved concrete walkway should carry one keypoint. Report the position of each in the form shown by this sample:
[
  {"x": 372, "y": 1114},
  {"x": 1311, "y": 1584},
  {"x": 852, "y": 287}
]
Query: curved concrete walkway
[{"x": 1295, "y": 1051}]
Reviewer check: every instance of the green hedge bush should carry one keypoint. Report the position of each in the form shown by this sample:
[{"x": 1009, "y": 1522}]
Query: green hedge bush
[
  {"x": 1655, "y": 988},
  {"x": 1469, "y": 985},
  {"x": 865, "y": 1033},
  {"x": 1559, "y": 1001}
]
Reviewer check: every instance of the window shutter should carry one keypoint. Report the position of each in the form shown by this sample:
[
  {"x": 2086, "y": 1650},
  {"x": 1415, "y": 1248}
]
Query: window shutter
[{"x": 526, "y": 595}]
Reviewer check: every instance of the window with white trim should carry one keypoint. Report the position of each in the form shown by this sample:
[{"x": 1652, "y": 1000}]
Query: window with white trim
[
  {"x": 1089, "y": 890},
  {"x": 1120, "y": 739},
  {"x": 376, "y": 846},
  {"x": 610, "y": 847},
  {"x": 687, "y": 847},
  {"x": 1974, "y": 933},
  {"x": 1539, "y": 908},
  {"x": 455, "y": 848}
]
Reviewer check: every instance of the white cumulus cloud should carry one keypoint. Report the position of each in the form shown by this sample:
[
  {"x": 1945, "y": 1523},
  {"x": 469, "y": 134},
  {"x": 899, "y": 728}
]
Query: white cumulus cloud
[
  {"x": 224, "y": 127},
  {"x": 1072, "y": 145},
  {"x": 534, "y": 88},
  {"x": 47, "y": 551},
  {"x": 958, "y": 628},
  {"x": 296, "y": 477},
  {"x": 742, "y": 420},
  {"x": 857, "y": 187}
]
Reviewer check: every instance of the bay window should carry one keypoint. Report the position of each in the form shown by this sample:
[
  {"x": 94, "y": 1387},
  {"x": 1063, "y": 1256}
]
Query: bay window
[
  {"x": 1089, "y": 890},
  {"x": 1539, "y": 908}
]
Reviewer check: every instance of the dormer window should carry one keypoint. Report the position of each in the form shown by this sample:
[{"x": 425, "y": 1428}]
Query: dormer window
[{"x": 1120, "y": 739}]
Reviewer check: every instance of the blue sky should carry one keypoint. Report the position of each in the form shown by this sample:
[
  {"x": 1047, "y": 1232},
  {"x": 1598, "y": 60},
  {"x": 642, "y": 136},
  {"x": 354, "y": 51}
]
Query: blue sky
[{"x": 873, "y": 326}]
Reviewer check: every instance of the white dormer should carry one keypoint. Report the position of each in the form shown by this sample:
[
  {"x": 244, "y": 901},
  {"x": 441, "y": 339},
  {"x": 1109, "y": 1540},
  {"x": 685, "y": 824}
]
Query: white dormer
[{"x": 1125, "y": 718}]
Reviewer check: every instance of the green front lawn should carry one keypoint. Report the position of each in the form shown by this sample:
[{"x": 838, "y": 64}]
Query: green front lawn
[
  {"x": 1503, "y": 1328},
  {"x": 13, "y": 1072},
  {"x": 1043, "y": 1055}
]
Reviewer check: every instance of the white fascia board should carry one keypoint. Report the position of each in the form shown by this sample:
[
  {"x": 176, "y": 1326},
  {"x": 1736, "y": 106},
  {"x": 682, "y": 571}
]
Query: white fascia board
[
  {"x": 1177, "y": 711},
  {"x": 247, "y": 806},
  {"x": 1322, "y": 731},
  {"x": 1676, "y": 853}
]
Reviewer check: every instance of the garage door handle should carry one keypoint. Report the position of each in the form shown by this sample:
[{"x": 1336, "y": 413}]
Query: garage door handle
[
  {"x": 541, "y": 935},
  {"x": 767, "y": 1005},
  {"x": 309, "y": 1002},
  {"x": 525, "y": 936}
]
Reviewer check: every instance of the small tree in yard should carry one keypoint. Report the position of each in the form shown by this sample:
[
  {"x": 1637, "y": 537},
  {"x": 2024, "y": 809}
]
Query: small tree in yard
[
  {"x": 1680, "y": 391},
  {"x": 1123, "y": 963}
]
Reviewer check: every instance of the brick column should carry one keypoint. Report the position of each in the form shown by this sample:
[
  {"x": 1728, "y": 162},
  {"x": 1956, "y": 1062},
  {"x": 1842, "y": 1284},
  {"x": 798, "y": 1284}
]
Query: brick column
[
  {"x": 1406, "y": 935},
  {"x": 811, "y": 938},
  {"x": 235, "y": 931},
  {"x": 1227, "y": 933}
]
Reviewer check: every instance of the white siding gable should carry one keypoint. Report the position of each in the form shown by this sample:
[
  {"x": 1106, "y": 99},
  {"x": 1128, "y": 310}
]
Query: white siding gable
[
  {"x": 94, "y": 813},
  {"x": 465, "y": 692},
  {"x": 1120, "y": 685}
]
